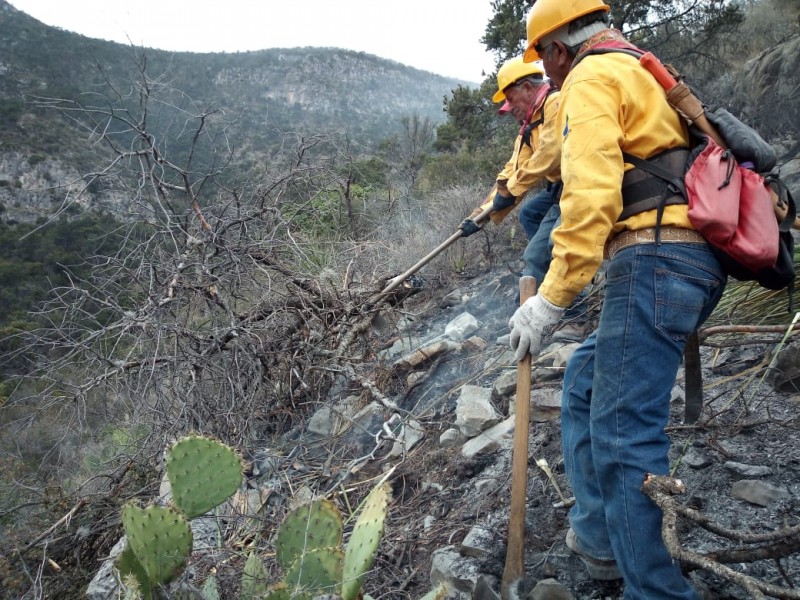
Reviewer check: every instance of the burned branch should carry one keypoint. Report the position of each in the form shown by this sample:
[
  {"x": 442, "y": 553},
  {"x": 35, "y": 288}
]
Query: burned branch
[{"x": 662, "y": 489}]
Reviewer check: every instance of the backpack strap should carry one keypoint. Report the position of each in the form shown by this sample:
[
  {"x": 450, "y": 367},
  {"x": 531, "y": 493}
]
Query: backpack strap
[
  {"x": 785, "y": 199},
  {"x": 664, "y": 186},
  {"x": 785, "y": 226},
  {"x": 527, "y": 130},
  {"x": 654, "y": 183}
]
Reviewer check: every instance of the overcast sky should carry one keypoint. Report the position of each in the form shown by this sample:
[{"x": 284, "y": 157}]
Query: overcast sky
[{"x": 441, "y": 36}]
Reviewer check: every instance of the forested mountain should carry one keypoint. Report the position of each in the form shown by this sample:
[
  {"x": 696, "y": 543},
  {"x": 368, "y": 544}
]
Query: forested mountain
[
  {"x": 256, "y": 97},
  {"x": 58, "y": 90}
]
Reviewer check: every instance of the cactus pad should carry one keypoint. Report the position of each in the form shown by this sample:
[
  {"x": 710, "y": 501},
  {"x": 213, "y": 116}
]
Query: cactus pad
[
  {"x": 254, "y": 578},
  {"x": 439, "y": 593},
  {"x": 210, "y": 591},
  {"x": 203, "y": 473},
  {"x": 127, "y": 564},
  {"x": 318, "y": 571},
  {"x": 314, "y": 525},
  {"x": 364, "y": 540},
  {"x": 279, "y": 592},
  {"x": 159, "y": 537}
]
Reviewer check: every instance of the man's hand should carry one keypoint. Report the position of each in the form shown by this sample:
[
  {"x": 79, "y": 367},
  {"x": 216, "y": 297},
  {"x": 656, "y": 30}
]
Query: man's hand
[
  {"x": 501, "y": 202},
  {"x": 531, "y": 322},
  {"x": 468, "y": 227}
]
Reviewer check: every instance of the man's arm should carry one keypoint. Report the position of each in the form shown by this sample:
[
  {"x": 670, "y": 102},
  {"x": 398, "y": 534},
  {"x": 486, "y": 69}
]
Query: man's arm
[{"x": 545, "y": 161}]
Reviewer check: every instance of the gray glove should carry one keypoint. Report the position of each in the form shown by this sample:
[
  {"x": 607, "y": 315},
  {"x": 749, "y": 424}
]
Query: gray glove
[{"x": 532, "y": 321}]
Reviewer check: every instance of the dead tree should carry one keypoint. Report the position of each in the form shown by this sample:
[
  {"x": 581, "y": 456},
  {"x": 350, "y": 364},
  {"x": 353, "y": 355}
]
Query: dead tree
[{"x": 223, "y": 310}]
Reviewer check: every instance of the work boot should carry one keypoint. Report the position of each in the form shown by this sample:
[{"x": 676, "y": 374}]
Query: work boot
[
  {"x": 571, "y": 332},
  {"x": 605, "y": 570}
]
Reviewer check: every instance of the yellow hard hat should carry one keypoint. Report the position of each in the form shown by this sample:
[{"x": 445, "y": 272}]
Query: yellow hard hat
[
  {"x": 548, "y": 15},
  {"x": 512, "y": 71}
]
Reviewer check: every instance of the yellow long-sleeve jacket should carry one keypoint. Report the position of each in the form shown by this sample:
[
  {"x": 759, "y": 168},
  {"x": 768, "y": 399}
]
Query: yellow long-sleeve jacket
[
  {"x": 609, "y": 104},
  {"x": 532, "y": 164}
]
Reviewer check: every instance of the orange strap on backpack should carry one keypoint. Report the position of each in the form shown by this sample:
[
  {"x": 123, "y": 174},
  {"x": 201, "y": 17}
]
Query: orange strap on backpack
[{"x": 681, "y": 97}]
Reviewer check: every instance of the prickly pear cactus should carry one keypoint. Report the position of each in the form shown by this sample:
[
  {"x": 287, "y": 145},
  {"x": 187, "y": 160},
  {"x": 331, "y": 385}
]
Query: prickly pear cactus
[
  {"x": 210, "y": 591},
  {"x": 254, "y": 578},
  {"x": 314, "y": 525},
  {"x": 364, "y": 540},
  {"x": 129, "y": 566},
  {"x": 436, "y": 594},
  {"x": 280, "y": 592},
  {"x": 160, "y": 539},
  {"x": 203, "y": 473},
  {"x": 317, "y": 571}
]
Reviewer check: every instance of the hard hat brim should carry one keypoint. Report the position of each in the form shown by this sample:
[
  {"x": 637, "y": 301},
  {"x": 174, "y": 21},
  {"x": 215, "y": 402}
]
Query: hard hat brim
[{"x": 531, "y": 55}]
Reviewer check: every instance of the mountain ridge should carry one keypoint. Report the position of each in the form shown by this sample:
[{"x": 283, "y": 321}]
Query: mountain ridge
[{"x": 265, "y": 94}]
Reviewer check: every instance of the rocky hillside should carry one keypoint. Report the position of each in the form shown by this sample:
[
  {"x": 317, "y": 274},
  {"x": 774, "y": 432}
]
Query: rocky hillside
[
  {"x": 325, "y": 398},
  {"x": 441, "y": 427},
  {"x": 442, "y": 432}
]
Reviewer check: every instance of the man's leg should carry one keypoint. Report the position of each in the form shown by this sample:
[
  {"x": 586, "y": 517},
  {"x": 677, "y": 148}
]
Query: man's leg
[
  {"x": 534, "y": 209},
  {"x": 537, "y": 252},
  {"x": 587, "y": 517},
  {"x": 655, "y": 296}
]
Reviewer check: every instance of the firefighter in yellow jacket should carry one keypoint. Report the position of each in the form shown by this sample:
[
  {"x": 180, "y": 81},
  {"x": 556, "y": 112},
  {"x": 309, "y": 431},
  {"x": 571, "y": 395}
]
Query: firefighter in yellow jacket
[
  {"x": 662, "y": 281},
  {"x": 535, "y": 161}
]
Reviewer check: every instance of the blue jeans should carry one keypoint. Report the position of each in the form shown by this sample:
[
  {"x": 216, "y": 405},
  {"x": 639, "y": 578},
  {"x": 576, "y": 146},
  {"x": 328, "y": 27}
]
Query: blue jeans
[
  {"x": 534, "y": 209},
  {"x": 537, "y": 253},
  {"x": 615, "y": 406},
  {"x": 537, "y": 256}
]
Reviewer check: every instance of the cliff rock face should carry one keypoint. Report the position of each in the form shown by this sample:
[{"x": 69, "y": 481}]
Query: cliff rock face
[
  {"x": 31, "y": 189},
  {"x": 766, "y": 92},
  {"x": 773, "y": 76},
  {"x": 366, "y": 87},
  {"x": 28, "y": 191}
]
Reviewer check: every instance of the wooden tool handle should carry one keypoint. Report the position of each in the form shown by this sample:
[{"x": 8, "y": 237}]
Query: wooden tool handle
[{"x": 514, "y": 572}]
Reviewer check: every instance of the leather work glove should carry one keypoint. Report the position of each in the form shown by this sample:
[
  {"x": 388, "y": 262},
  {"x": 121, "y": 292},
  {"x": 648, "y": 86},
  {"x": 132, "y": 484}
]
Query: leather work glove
[
  {"x": 500, "y": 202},
  {"x": 532, "y": 321},
  {"x": 468, "y": 227}
]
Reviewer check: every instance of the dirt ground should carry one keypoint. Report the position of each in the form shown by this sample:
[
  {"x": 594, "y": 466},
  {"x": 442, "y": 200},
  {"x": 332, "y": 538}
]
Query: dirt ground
[{"x": 744, "y": 421}]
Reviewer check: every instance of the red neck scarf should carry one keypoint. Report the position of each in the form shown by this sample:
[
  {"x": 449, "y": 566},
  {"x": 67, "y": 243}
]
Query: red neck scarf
[{"x": 536, "y": 104}]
